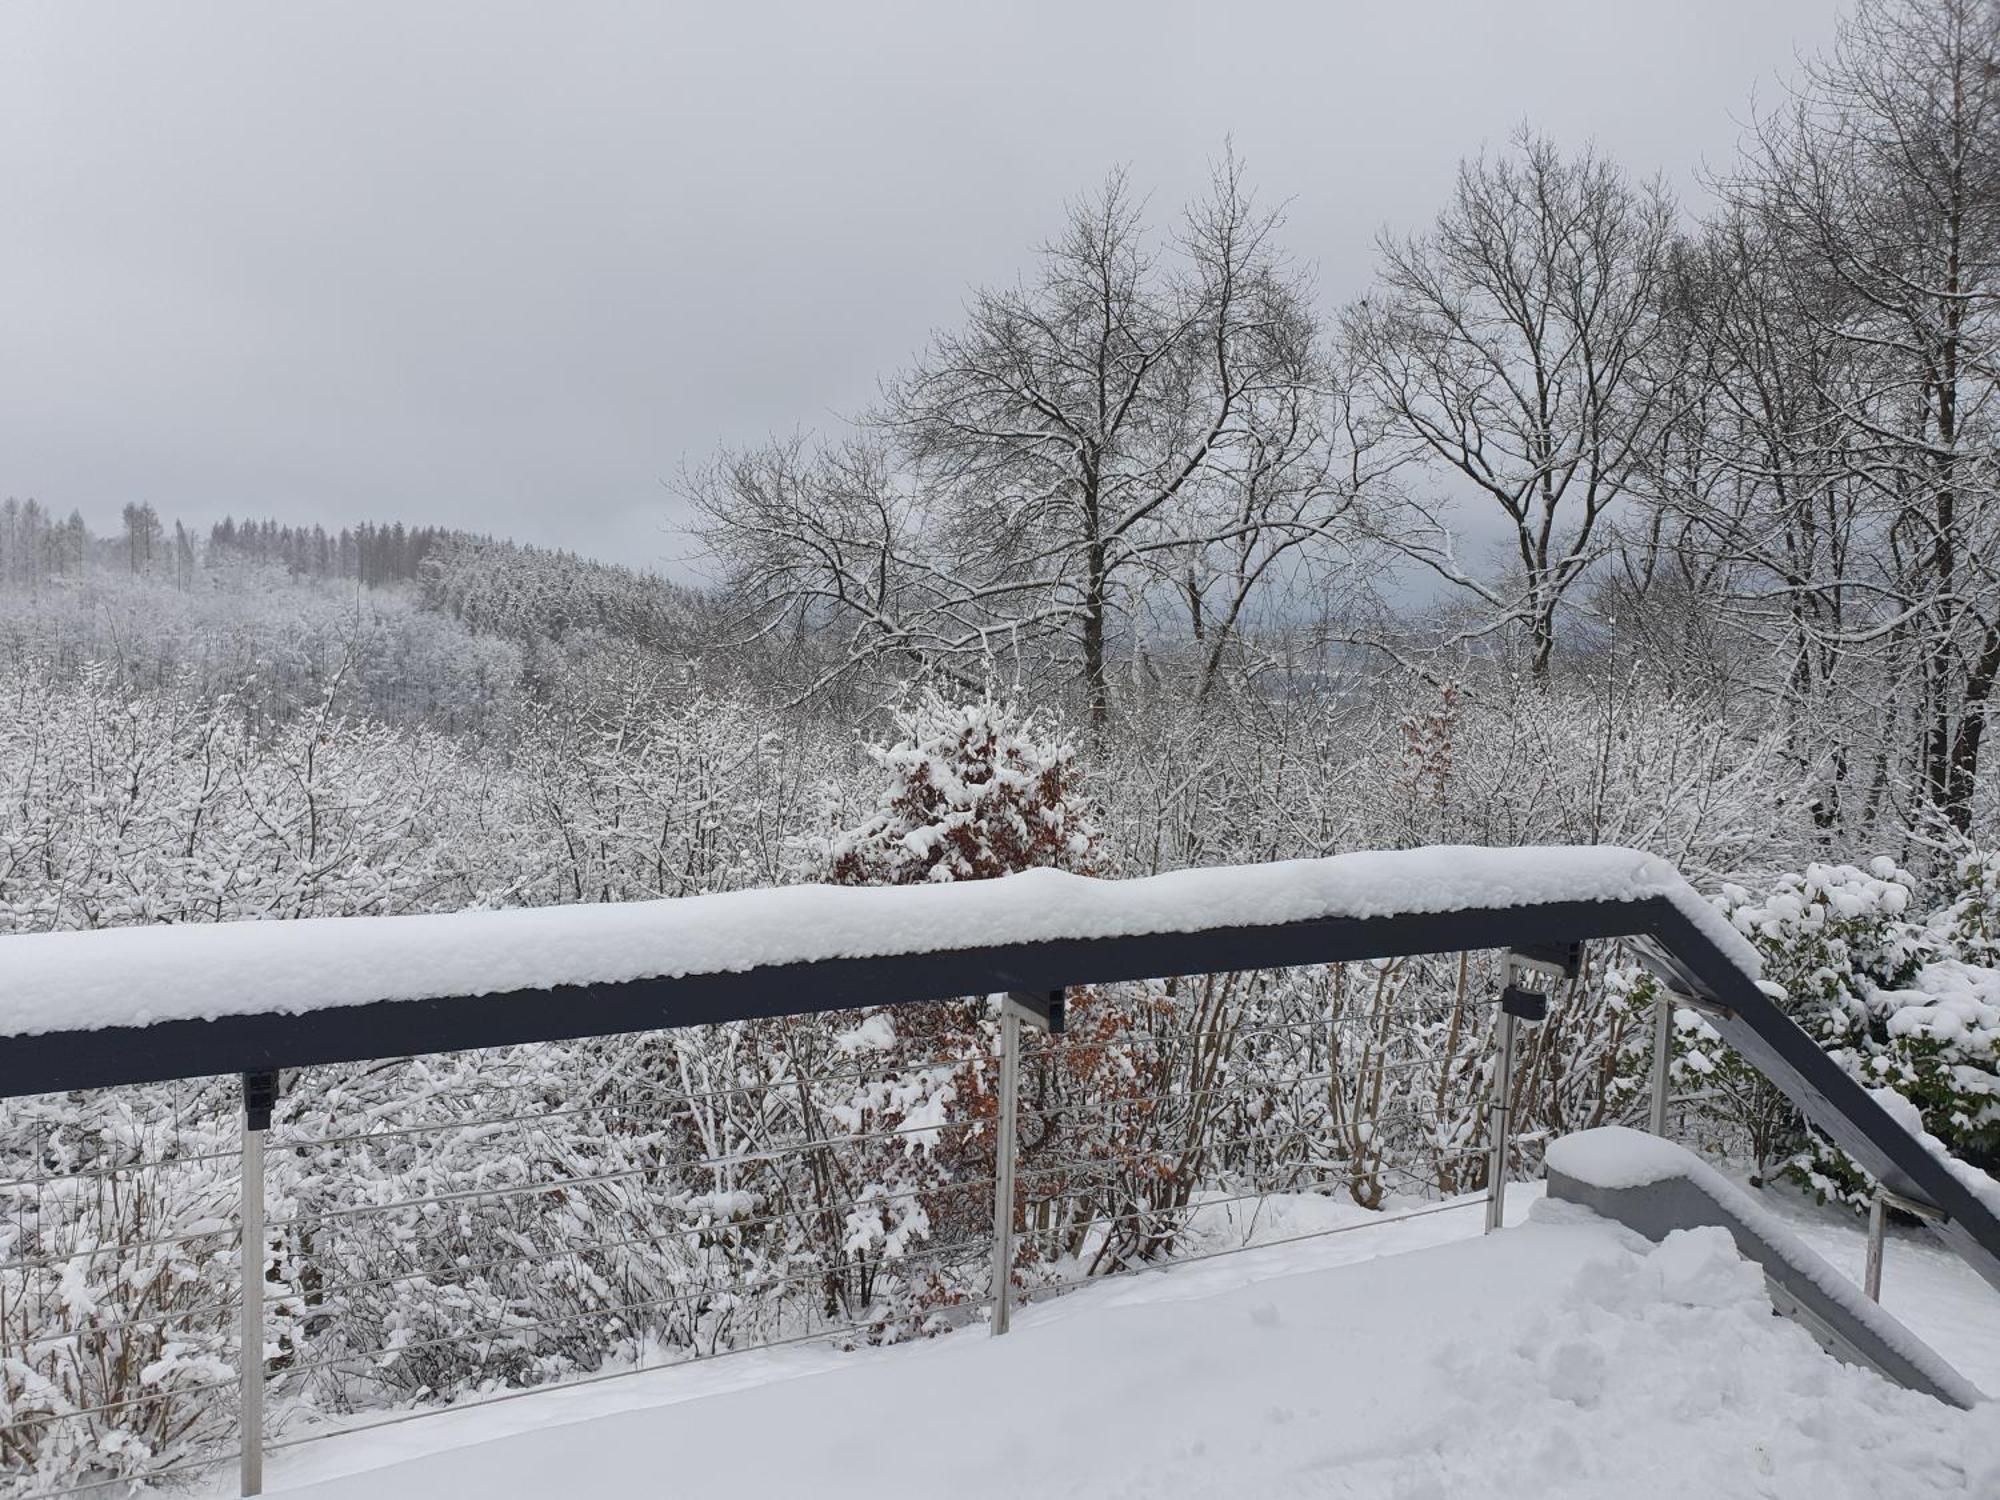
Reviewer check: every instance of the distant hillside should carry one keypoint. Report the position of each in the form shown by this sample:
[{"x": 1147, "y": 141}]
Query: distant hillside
[
  {"x": 374, "y": 554},
  {"x": 532, "y": 593},
  {"x": 407, "y": 624}
]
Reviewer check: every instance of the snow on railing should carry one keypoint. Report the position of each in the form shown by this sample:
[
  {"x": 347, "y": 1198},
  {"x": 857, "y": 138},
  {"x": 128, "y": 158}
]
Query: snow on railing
[
  {"x": 773, "y": 1182},
  {"x": 142, "y": 976}
]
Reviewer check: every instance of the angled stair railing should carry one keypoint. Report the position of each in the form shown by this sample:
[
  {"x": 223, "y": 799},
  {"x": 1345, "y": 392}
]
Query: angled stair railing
[{"x": 1697, "y": 970}]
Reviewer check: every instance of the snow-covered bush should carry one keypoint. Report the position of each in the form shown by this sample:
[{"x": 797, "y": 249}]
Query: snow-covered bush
[
  {"x": 1970, "y": 925},
  {"x": 117, "y": 1273},
  {"x": 975, "y": 791},
  {"x": 1887, "y": 990},
  {"x": 1940, "y": 1049}
]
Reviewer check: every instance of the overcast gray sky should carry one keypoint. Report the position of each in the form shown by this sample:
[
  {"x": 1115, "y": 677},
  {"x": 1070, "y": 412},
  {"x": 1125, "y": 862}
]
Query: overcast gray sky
[{"x": 507, "y": 266}]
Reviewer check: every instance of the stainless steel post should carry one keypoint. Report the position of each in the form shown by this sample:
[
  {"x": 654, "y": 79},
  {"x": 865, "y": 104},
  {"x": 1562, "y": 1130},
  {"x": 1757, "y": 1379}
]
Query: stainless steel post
[
  {"x": 1499, "y": 1126},
  {"x": 1003, "y": 1168},
  {"x": 252, "y": 1349},
  {"x": 1663, "y": 1050},
  {"x": 1878, "y": 1225}
]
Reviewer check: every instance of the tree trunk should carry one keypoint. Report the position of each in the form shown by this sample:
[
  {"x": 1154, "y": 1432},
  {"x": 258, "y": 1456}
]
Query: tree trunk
[{"x": 1095, "y": 590}]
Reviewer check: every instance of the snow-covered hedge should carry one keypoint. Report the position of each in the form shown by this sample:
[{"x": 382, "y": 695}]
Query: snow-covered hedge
[{"x": 1907, "y": 999}]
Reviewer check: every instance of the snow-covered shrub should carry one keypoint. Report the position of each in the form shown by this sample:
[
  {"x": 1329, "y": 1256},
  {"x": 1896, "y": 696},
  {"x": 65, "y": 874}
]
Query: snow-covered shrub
[
  {"x": 1887, "y": 992},
  {"x": 1828, "y": 938},
  {"x": 1970, "y": 925},
  {"x": 1937, "y": 1043},
  {"x": 975, "y": 791},
  {"x": 1831, "y": 935},
  {"x": 117, "y": 1312}
]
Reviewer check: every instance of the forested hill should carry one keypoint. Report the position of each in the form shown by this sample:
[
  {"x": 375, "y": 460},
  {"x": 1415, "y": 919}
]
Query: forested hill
[
  {"x": 528, "y": 593},
  {"x": 410, "y": 624},
  {"x": 492, "y": 586},
  {"x": 391, "y": 553}
]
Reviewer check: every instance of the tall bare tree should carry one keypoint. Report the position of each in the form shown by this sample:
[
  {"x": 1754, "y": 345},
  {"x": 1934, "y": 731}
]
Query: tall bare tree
[
  {"x": 1754, "y": 537},
  {"x": 1879, "y": 188},
  {"x": 1509, "y": 349},
  {"x": 830, "y": 546},
  {"x": 1143, "y": 430},
  {"x": 1139, "y": 417}
]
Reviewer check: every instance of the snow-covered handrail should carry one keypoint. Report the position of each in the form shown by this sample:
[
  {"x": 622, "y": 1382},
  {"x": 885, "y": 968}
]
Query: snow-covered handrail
[
  {"x": 142, "y": 976},
  {"x": 138, "y": 1005}
]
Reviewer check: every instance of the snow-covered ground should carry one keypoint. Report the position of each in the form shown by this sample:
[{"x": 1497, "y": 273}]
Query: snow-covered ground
[{"x": 1414, "y": 1360}]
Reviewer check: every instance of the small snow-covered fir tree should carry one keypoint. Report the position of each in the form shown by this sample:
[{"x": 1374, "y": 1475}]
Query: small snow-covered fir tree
[{"x": 975, "y": 790}]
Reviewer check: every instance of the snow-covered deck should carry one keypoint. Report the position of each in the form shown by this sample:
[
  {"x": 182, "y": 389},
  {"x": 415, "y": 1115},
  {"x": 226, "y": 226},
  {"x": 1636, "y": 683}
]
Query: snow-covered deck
[{"x": 1561, "y": 1359}]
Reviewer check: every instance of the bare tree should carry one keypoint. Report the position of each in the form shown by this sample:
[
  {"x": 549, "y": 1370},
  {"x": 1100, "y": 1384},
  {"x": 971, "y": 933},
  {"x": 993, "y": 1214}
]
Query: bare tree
[
  {"x": 1754, "y": 535},
  {"x": 1880, "y": 188},
  {"x": 1509, "y": 349},
  {"x": 830, "y": 549},
  {"x": 1144, "y": 432},
  {"x": 1136, "y": 420}
]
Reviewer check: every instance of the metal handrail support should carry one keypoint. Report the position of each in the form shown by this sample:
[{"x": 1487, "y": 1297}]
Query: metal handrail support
[
  {"x": 1878, "y": 1228},
  {"x": 1663, "y": 1053},
  {"x": 1518, "y": 1002},
  {"x": 1044, "y": 1012},
  {"x": 260, "y": 1096}
]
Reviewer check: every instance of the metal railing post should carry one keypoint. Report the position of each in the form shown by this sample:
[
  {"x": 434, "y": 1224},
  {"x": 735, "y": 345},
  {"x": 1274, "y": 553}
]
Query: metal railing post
[
  {"x": 1045, "y": 1013},
  {"x": 1878, "y": 1230},
  {"x": 1520, "y": 970},
  {"x": 1878, "y": 1224},
  {"x": 1003, "y": 1168},
  {"x": 1663, "y": 1051},
  {"x": 1497, "y": 1127},
  {"x": 260, "y": 1093}
]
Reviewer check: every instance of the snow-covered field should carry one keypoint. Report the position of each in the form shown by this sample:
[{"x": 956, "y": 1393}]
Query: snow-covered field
[{"x": 1561, "y": 1358}]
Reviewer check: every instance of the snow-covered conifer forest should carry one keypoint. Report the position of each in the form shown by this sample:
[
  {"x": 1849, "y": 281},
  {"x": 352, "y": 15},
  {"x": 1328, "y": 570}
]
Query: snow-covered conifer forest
[{"x": 1599, "y": 517}]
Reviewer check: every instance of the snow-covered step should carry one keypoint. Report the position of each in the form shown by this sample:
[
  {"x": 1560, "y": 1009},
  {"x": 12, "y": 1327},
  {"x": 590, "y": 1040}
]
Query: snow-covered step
[{"x": 1656, "y": 1187}]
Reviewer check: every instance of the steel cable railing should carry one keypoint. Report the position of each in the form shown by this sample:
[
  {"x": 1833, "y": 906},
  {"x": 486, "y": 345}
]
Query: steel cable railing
[
  {"x": 494, "y": 1399},
  {"x": 206, "y": 1464},
  {"x": 497, "y": 1332},
  {"x": 1049, "y": 1288},
  {"x": 853, "y": 1201}
]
